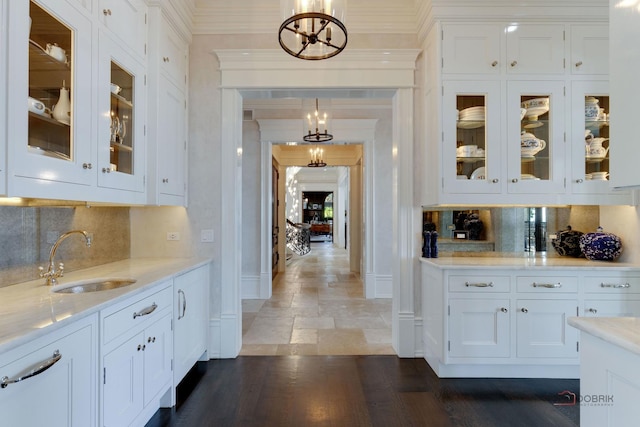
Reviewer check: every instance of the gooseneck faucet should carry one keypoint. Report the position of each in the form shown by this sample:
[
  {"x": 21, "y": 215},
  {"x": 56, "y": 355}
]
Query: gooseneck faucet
[{"x": 51, "y": 275}]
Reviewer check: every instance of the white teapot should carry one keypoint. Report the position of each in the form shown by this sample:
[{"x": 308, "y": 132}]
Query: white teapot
[
  {"x": 594, "y": 146},
  {"x": 530, "y": 145},
  {"x": 56, "y": 52}
]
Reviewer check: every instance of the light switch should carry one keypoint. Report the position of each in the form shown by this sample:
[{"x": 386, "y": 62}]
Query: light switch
[{"x": 206, "y": 236}]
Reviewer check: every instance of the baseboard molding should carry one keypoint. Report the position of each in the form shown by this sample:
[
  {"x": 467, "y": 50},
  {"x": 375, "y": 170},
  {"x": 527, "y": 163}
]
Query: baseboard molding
[
  {"x": 230, "y": 335},
  {"x": 214, "y": 338},
  {"x": 384, "y": 286},
  {"x": 404, "y": 335},
  {"x": 419, "y": 351},
  {"x": 250, "y": 287}
]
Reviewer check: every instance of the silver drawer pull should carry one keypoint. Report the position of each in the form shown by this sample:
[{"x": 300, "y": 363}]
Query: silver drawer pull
[
  {"x": 479, "y": 285},
  {"x": 615, "y": 285},
  {"x": 32, "y": 371},
  {"x": 547, "y": 285},
  {"x": 145, "y": 311},
  {"x": 504, "y": 310},
  {"x": 524, "y": 310},
  {"x": 592, "y": 310}
]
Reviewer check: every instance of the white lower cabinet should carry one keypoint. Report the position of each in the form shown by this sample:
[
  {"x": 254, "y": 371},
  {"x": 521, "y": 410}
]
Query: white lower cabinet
[
  {"x": 137, "y": 349},
  {"x": 62, "y": 390},
  {"x": 512, "y": 322},
  {"x": 191, "y": 309},
  {"x": 542, "y": 328},
  {"x": 479, "y": 328}
]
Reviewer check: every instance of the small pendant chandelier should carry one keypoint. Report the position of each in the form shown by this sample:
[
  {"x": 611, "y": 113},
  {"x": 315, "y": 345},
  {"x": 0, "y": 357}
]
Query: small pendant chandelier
[
  {"x": 316, "y": 121},
  {"x": 317, "y": 155},
  {"x": 313, "y": 29}
]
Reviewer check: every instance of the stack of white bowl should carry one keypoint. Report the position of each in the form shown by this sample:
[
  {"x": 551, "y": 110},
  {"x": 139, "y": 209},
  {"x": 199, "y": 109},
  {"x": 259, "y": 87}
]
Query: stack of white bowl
[{"x": 475, "y": 114}]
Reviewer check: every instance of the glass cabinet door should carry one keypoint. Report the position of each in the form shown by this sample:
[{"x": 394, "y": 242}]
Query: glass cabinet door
[
  {"x": 51, "y": 139},
  {"x": 536, "y": 153},
  {"x": 121, "y": 128},
  {"x": 471, "y": 129},
  {"x": 590, "y": 137}
]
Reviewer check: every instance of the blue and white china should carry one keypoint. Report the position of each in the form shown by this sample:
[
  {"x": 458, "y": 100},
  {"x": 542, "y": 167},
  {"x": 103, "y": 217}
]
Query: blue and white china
[{"x": 601, "y": 246}]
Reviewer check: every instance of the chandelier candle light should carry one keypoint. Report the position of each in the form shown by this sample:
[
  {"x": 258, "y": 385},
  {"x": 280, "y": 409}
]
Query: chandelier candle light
[
  {"x": 317, "y": 121},
  {"x": 316, "y": 158},
  {"x": 313, "y": 29}
]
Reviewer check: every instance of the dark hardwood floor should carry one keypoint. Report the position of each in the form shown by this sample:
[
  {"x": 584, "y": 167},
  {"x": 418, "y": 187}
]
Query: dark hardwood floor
[{"x": 358, "y": 391}]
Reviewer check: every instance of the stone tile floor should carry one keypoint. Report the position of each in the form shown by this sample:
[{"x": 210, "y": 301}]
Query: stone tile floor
[{"x": 317, "y": 308}]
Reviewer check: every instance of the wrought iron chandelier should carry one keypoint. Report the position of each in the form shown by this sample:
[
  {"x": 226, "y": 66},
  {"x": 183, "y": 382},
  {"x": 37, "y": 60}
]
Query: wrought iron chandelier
[
  {"x": 316, "y": 122},
  {"x": 317, "y": 158},
  {"x": 313, "y": 29}
]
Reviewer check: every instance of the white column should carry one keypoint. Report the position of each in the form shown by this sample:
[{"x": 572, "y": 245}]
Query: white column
[
  {"x": 403, "y": 310},
  {"x": 231, "y": 219}
]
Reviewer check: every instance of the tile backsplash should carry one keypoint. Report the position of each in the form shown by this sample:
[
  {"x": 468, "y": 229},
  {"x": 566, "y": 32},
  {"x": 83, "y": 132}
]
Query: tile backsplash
[{"x": 28, "y": 233}]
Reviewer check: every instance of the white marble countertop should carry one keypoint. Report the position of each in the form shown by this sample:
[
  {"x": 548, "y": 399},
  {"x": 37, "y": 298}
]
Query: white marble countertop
[
  {"x": 519, "y": 263},
  {"x": 29, "y": 310},
  {"x": 623, "y": 332}
]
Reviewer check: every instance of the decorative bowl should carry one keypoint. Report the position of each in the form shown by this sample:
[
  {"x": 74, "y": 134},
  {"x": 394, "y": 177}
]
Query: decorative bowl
[
  {"x": 601, "y": 246},
  {"x": 567, "y": 242},
  {"x": 535, "y": 107}
]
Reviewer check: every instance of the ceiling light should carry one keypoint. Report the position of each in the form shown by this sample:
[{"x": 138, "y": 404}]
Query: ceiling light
[
  {"x": 315, "y": 122},
  {"x": 313, "y": 29}
]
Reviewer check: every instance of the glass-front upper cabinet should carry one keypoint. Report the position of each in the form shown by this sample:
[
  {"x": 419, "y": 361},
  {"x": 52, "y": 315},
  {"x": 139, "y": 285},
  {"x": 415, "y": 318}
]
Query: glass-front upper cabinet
[
  {"x": 536, "y": 152},
  {"x": 50, "y": 138},
  {"x": 590, "y": 137},
  {"x": 121, "y": 127},
  {"x": 471, "y": 133}
]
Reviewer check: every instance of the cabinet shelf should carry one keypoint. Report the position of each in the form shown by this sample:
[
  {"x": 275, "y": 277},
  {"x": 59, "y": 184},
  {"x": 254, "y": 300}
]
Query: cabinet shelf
[
  {"x": 121, "y": 100},
  {"x": 44, "y": 69},
  {"x": 470, "y": 159},
  {"x": 47, "y": 119},
  {"x": 115, "y": 146}
]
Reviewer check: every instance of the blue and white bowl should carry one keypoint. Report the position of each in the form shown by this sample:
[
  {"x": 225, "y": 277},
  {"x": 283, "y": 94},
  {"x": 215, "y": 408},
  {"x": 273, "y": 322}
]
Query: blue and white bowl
[{"x": 601, "y": 246}]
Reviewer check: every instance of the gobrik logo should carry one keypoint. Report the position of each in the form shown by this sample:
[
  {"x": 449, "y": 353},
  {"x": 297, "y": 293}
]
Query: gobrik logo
[{"x": 569, "y": 398}]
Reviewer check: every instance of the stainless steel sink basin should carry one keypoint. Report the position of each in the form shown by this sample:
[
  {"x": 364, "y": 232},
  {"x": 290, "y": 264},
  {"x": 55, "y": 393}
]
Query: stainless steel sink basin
[{"x": 91, "y": 285}]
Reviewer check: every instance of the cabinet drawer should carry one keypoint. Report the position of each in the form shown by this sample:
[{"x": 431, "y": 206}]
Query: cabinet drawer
[
  {"x": 136, "y": 313},
  {"x": 612, "y": 285},
  {"x": 479, "y": 283},
  {"x": 547, "y": 284}
]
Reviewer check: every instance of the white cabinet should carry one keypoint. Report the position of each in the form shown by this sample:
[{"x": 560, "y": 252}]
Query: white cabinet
[
  {"x": 191, "y": 317},
  {"x": 590, "y": 49},
  {"x": 126, "y": 23},
  {"x": 614, "y": 296},
  {"x": 136, "y": 351},
  {"x": 3, "y": 111},
  {"x": 63, "y": 389},
  {"x": 542, "y": 328},
  {"x": 479, "y": 328},
  {"x": 44, "y": 149},
  {"x": 122, "y": 119},
  {"x": 492, "y": 49},
  {"x": 625, "y": 91},
  {"x": 609, "y": 383},
  {"x": 168, "y": 62}
]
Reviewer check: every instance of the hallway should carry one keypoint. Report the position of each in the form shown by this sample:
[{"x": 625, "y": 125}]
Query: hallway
[{"x": 317, "y": 308}]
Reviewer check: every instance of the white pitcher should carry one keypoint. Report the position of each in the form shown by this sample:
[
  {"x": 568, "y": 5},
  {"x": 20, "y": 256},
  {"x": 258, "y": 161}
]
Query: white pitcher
[
  {"x": 62, "y": 109},
  {"x": 594, "y": 147}
]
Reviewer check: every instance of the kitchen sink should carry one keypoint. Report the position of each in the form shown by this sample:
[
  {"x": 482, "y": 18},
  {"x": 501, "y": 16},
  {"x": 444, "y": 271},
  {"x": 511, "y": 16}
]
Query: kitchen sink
[{"x": 91, "y": 285}]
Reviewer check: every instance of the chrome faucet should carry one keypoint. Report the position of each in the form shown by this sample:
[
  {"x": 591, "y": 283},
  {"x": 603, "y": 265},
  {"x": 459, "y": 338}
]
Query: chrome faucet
[{"x": 51, "y": 275}]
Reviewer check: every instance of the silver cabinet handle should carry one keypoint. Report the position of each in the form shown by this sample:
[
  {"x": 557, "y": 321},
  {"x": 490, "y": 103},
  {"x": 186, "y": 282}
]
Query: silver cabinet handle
[
  {"x": 145, "y": 311},
  {"x": 547, "y": 285},
  {"x": 165, "y": 180},
  {"x": 524, "y": 310},
  {"x": 579, "y": 181},
  {"x": 32, "y": 371},
  {"x": 495, "y": 180},
  {"x": 106, "y": 170},
  {"x": 592, "y": 310},
  {"x": 514, "y": 180},
  {"x": 504, "y": 310},
  {"x": 87, "y": 166},
  {"x": 479, "y": 285},
  {"x": 106, "y": 12},
  {"x": 165, "y": 59},
  {"x": 615, "y": 285},
  {"x": 494, "y": 63},
  {"x": 184, "y": 303},
  {"x": 579, "y": 63},
  {"x": 514, "y": 63}
]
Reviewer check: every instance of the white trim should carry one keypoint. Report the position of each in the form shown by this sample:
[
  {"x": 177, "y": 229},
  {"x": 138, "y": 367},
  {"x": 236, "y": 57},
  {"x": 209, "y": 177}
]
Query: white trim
[
  {"x": 251, "y": 287},
  {"x": 215, "y": 343},
  {"x": 398, "y": 74},
  {"x": 383, "y": 286}
]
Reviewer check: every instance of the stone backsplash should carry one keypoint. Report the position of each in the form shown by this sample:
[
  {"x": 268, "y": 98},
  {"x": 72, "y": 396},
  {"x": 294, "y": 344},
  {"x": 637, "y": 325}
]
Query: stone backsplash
[{"x": 28, "y": 233}]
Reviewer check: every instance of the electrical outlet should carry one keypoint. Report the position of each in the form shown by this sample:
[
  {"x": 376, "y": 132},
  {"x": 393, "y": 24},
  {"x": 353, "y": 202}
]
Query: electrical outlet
[
  {"x": 206, "y": 235},
  {"x": 173, "y": 235}
]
